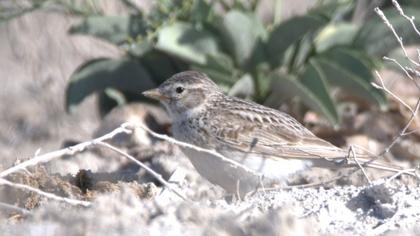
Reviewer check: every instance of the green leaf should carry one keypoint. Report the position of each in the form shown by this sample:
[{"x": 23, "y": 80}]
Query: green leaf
[
  {"x": 116, "y": 95},
  {"x": 100, "y": 74},
  {"x": 335, "y": 35},
  {"x": 115, "y": 29},
  {"x": 138, "y": 48},
  {"x": 344, "y": 69},
  {"x": 258, "y": 57},
  {"x": 377, "y": 39},
  {"x": 262, "y": 82},
  {"x": 220, "y": 68},
  {"x": 186, "y": 42},
  {"x": 288, "y": 33},
  {"x": 241, "y": 33},
  {"x": 315, "y": 80},
  {"x": 161, "y": 66},
  {"x": 201, "y": 11},
  {"x": 365, "y": 61},
  {"x": 302, "y": 51},
  {"x": 108, "y": 99},
  {"x": 243, "y": 88},
  {"x": 351, "y": 60},
  {"x": 312, "y": 90},
  {"x": 335, "y": 10}
]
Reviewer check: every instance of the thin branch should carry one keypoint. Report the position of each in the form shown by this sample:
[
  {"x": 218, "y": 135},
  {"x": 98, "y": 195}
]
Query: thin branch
[
  {"x": 384, "y": 88},
  {"x": 149, "y": 170},
  {"x": 14, "y": 208},
  {"x": 62, "y": 152},
  {"x": 403, "y": 131},
  {"x": 412, "y": 170},
  {"x": 410, "y": 19},
  {"x": 124, "y": 128},
  {"x": 45, "y": 194},
  {"x": 413, "y": 71},
  {"x": 406, "y": 70},
  {"x": 397, "y": 138},
  {"x": 399, "y": 39},
  {"x": 399, "y": 65},
  {"x": 176, "y": 178},
  {"x": 411, "y": 132},
  {"x": 353, "y": 153}
]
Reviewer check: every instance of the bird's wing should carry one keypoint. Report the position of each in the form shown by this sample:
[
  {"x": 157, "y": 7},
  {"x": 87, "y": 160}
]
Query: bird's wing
[
  {"x": 255, "y": 129},
  {"x": 261, "y": 130}
]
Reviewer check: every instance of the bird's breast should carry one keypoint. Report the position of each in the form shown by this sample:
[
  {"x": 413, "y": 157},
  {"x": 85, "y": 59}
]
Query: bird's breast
[{"x": 191, "y": 131}]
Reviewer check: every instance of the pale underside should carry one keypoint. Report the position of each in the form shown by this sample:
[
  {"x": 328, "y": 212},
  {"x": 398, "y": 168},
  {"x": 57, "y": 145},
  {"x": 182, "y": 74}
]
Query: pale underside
[{"x": 235, "y": 179}]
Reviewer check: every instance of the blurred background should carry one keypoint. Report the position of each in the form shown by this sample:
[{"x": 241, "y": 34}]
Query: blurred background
[
  {"x": 71, "y": 70},
  {"x": 64, "y": 64}
]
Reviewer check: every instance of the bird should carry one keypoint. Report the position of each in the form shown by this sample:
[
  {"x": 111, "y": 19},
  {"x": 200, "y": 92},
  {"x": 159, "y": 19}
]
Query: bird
[{"x": 262, "y": 146}]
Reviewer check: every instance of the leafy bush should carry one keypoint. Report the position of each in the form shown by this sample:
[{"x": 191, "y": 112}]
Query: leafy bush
[{"x": 303, "y": 56}]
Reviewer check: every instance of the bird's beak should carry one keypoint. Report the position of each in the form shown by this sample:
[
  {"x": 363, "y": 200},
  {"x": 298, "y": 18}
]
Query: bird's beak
[{"x": 155, "y": 94}]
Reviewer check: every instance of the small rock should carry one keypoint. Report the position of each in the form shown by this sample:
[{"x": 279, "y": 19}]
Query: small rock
[{"x": 375, "y": 200}]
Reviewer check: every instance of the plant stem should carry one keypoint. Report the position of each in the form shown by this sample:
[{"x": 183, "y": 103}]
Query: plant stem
[
  {"x": 277, "y": 11},
  {"x": 257, "y": 87},
  {"x": 296, "y": 48}
]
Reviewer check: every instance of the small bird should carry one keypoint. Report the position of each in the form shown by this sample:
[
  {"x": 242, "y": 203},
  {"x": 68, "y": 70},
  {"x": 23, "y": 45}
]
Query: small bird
[{"x": 270, "y": 143}]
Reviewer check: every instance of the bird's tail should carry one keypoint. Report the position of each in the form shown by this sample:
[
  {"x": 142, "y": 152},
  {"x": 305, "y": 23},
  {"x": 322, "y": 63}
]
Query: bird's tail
[
  {"x": 365, "y": 161},
  {"x": 332, "y": 157},
  {"x": 372, "y": 162}
]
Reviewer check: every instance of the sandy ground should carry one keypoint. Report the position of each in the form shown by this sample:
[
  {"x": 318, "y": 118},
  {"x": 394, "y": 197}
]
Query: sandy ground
[{"x": 37, "y": 57}]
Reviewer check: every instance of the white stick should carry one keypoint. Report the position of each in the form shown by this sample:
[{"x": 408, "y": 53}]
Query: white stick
[
  {"x": 399, "y": 39},
  {"x": 66, "y": 151},
  {"x": 14, "y": 208},
  {"x": 149, "y": 170},
  {"x": 353, "y": 153},
  {"x": 45, "y": 194}
]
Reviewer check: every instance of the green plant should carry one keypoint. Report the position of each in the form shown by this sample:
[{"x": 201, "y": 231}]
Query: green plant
[{"x": 303, "y": 56}]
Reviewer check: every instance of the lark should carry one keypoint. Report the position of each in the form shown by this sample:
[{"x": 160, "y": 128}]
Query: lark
[{"x": 270, "y": 144}]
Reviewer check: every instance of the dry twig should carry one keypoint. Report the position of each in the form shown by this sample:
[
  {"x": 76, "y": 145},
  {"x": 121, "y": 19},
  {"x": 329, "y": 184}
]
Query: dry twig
[
  {"x": 176, "y": 178},
  {"x": 62, "y": 152},
  {"x": 399, "y": 39},
  {"x": 45, "y": 194},
  {"x": 124, "y": 128},
  {"x": 404, "y": 131},
  {"x": 14, "y": 208},
  {"x": 353, "y": 154},
  {"x": 149, "y": 170}
]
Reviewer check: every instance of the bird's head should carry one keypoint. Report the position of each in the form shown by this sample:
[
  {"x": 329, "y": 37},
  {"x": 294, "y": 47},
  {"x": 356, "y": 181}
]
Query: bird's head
[{"x": 184, "y": 93}]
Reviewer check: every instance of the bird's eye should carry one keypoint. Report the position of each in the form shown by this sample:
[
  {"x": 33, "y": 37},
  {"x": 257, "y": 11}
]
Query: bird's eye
[{"x": 179, "y": 89}]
